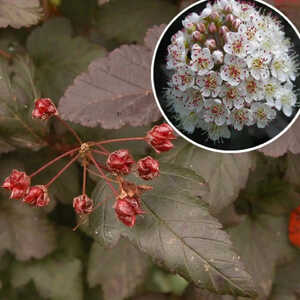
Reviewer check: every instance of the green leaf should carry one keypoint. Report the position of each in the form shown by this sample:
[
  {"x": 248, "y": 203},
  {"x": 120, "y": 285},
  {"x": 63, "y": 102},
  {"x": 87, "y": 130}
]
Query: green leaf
[
  {"x": 286, "y": 285},
  {"x": 17, "y": 94},
  {"x": 55, "y": 278},
  {"x": 120, "y": 270},
  {"x": 178, "y": 233},
  {"x": 262, "y": 244},
  {"x": 59, "y": 56},
  {"x": 25, "y": 231},
  {"x": 19, "y": 13},
  {"x": 126, "y": 21},
  {"x": 226, "y": 174}
]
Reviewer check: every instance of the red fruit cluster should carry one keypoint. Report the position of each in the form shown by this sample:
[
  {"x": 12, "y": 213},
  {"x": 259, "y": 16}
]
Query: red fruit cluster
[
  {"x": 18, "y": 183},
  {"x": 83, "y": 205},
  {"x": 38, "y": 196},
  {"x": 148, "y": 168},
  {"x": 120, "y": 162},
  {"x": 44, "y": 108},
  {"x": 127, "y": 209},
  {"x": 160, "y": 136}
]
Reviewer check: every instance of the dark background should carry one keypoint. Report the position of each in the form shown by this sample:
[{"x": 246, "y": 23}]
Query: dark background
[{"x": 248, "y": 137}]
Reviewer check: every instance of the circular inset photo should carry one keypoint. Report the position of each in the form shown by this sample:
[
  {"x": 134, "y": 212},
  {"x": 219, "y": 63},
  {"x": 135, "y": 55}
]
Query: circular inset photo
[{"x": 225, "y": 74}]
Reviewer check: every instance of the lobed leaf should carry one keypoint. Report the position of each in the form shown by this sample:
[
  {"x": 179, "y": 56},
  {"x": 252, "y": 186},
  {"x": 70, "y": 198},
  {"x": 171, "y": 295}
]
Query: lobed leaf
[
  {"x": 226, "y": 174},
  {"x": 17, "y": 94},
  {"x": 262, "y": 243},
  {"x": 114, "y": 92},
  {"x": 126, "y": 21},
  {"x": 119, "y": 270},
  {"x": 288, "y": 142},
  {"x": 19, "y": 13},
  {"x": 178, "y": 233},
  {"x": 152, "y": 36},
  {"x": 59, "y": 57}
]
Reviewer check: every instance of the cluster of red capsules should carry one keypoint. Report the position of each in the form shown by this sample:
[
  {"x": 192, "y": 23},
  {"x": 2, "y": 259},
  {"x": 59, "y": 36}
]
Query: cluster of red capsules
[{"x": 118, "y": 163}]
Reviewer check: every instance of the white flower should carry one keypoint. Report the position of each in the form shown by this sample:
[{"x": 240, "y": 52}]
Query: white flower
[
  {"x": 215, "y": 132},
  {"x": 270, "y": 89},
  {"x": 244, "y": 11},
  {"x": 253, "y": 90},
  {"x": 190, "y": 122},
  {"x": 237, "y": 44},
  {"x": 285, "y": 100},
  {"x": 177, "y": 56},
  {"x": 183, "y": 78},
  {"x": 233, "y": 96},
  {"x": 194, "y": 100},
  {"x": 241, "y": 117},
  {"x": 262, "y": 114},
  {"x": 202, "y": 61},
  {"x": 216, "y": 112},
  {"x": 210, "y": 84},
  {"x": 190, "y": 21},
  {"x": 258, "y": 63},
  {"x": 234, "y": 71},
  {"x": 253, "y": 35},
  {"x": 282, "y": 67}
]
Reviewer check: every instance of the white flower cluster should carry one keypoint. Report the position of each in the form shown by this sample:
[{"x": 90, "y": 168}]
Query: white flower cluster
[{"x": 232, "y": 66}]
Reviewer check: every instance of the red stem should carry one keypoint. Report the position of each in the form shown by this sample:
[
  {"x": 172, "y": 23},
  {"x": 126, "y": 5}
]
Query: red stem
[
  {"x": 118, "y": 140},
  {"x": 102, "y": 148},
  {"x": 84, "y": 178},
  {"x": 70, "y": 129},
  {"x": 5, "y": 54},
  {"x": 100, "y": 152},
  {"x": 62, "y": 170},
  {"x": 102, "y": 173},
  {"x": 53, "y": 161}
]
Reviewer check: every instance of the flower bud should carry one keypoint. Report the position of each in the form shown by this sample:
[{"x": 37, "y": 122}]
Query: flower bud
[
  {"x": 211, "y": 44},
  {"x": 120, "y": 162},
  {"x": 215, "y": 16},
  {"x": 212, "y": 27},
  {"x": 218, "y": 57},
  {"x": 38, "y": 196},
  {"x": 201, "y": 27},
  {"x": 18, "y": 183},
  {"x": 83, "y": 205},
  {"x": 228, "y": 9},
  {"x": 223, "y": 31},
  {"x": 230, "y": 18},
  {"x": 148, "y": 168},
  {"x": 197, "y": 36},
  {"x": 236, "y": 23},
  {"x": 44, "y": 108}
]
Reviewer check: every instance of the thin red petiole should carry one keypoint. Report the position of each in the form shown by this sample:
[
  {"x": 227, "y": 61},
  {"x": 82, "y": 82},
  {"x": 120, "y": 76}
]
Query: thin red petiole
[
  {"x": 100, "y": 152},
  {"x": 84, "y": 178},
  {"x": 118, "y": 140},
  {"x": 70, "y": 129},
  {"x": 103, "y": 148},
  {"x": 62, "y": 170},
  {"x": 85, "y": 218},
  {"x": 103, "y": 177},
  {"x": 102, "y": 173},
  {"x": 54, "y": 160}
]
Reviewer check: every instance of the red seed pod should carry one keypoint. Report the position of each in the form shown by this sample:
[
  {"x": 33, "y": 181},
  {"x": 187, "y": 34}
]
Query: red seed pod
[
  {"x": 44, "y": 108},
  {"x": 159, "y": 137},
  {"x": 148, "y": 168},
  {"x": 120, "y": 162},
  {"x": 83, "y": 205},
  {"x": 18, "y": 183},
  {"x": 38, "y": 196},
  {"x": 294, "y": 227},
  {"x": 125, "y": 212}
]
